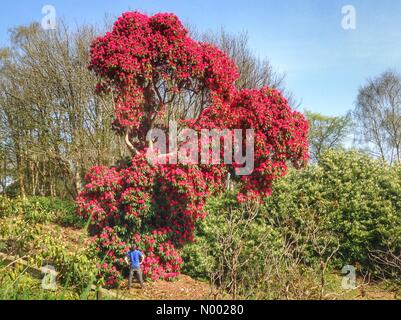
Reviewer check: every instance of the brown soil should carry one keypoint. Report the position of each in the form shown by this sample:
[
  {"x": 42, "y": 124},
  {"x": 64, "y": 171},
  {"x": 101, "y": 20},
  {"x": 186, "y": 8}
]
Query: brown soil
[
  {"x": 377, "y": 293},
  {"x": 183, "y": 288}
]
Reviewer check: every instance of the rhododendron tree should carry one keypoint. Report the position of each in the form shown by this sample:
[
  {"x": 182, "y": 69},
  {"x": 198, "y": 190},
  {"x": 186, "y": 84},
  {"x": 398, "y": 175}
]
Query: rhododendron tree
[
  {"x": 157, "y": 73},
  {"x": 280, "y": 135}
]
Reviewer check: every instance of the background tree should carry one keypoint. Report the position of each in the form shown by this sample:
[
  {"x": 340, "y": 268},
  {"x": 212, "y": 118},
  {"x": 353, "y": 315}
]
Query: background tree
[
  {"x": 254, "y": 72},
  {"x": 378, "y": 115},
  {"x": 53, "y": 124},
  {"x": 326, "y": 132}
]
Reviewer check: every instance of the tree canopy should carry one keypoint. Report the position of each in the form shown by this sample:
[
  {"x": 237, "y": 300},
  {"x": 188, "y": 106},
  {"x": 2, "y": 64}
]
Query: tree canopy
[{"x": 157, "y": 74}]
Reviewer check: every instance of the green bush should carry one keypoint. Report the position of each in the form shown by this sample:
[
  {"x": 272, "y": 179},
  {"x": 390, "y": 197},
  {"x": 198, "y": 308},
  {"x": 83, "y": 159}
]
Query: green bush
[
  {"x": 42, "y": 210},
  {"x": 32, "y": 209},
  {"x": 52, "y": 204},
  {"x": 347, "y": 201},
  {"x": 64, "y": 210},
  {"x": 355, "y": 197},
  {"x": 24, "y": 231},
  {"x": 229, "y": 228},
  {"x": 245, "y": 254},
  {"x": 17, "y": 284},
  {"x": 76, "y": 268}
]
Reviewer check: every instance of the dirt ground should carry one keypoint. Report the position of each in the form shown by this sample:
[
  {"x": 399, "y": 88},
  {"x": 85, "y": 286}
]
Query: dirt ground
[
  {"x": 186, "y": 288},
  {"x": 183, "y": 288}
]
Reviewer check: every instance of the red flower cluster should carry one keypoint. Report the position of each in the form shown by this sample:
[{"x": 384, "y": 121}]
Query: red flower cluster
[
  {"x": 111, "y": 250},
  {"x": 281, "y": 135},
  {"x": 147, "y": 61},
  {"x": 162, "y": 258},
  {"x": 143, "y": 51},
  {"x": 153, "y": 206}
]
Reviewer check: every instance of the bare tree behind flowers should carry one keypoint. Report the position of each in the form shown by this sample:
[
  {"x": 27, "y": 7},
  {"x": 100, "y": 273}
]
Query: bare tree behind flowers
[
  {"x": 387, "y": 264},
  {"x": 254, "y": 72},
  {"x": 269, "y": 257},
  {"x": 287, "y": 274},
  {"x": 378, "y": 113},
  {"x": 226, "y": 275},
  {"x": 54, "y": 123}
]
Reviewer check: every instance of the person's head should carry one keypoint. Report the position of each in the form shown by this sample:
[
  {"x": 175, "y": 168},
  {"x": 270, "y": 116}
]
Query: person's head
[{"x": 134, "y": 247}]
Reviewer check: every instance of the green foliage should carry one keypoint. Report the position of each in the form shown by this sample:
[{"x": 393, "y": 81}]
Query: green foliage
[
  {"x": 17, "y": 284},
  {"x": 25, "y": 232},
  {"x": 326, "y": 132},
  {"x": 64, "y": 210},
  {"x": 77, "y": 268},
  {"x": 42, "y": 210},
  {"x": 331, "y": 214},
  {"x": 54, "y": 204},
  {"x": 243, "y": 229},
  {"x": 196, "y": 260},
  {"x": 354, "y": 196},
  {"x": 245, "y": 253}
]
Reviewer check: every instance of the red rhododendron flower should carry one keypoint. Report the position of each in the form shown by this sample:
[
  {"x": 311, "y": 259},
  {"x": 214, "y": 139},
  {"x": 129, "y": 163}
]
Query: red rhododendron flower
[{"x": 153, "y": 67}]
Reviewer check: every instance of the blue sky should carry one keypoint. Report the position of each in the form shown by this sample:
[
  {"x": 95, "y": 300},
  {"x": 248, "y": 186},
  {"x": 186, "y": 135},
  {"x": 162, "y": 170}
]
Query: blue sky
[{"x": 324, "y": 64}]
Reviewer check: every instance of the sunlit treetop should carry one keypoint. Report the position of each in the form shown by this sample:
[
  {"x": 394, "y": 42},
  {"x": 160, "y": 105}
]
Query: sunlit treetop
[{"x": 157, "y": 71}]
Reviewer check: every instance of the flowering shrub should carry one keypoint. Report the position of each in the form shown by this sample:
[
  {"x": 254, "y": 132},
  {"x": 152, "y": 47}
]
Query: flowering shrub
[
  {"x": 162, "y": 259},
  {"x": 153, "y": 68},
  {"x": 155, "y": 207},
  {"x": 111, "y": 250},
  {"x": 280, "y": 135},
  {"x": 144, "y": 53}
]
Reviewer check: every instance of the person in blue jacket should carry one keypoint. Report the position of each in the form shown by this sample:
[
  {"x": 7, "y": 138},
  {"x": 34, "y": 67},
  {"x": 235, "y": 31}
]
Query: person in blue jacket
[{"x": 134, "y": 259}]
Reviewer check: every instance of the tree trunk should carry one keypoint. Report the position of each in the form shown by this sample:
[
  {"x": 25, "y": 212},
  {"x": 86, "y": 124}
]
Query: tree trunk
[
  {"x": 78, "y": 181},
  {"x": 21, "y": 181}
]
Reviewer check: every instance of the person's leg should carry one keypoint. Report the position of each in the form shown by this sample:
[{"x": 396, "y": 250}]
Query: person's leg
[
  {"x": 139, "y": 277},
  {"x": 131, "y": 271}
]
